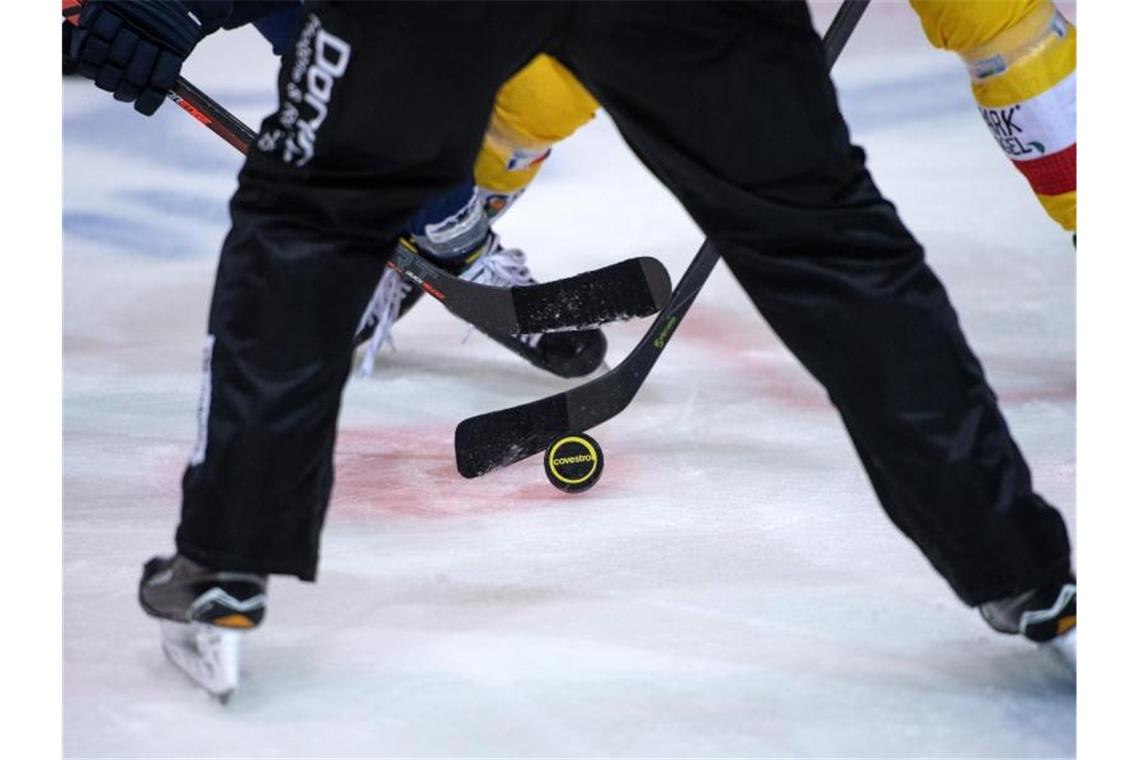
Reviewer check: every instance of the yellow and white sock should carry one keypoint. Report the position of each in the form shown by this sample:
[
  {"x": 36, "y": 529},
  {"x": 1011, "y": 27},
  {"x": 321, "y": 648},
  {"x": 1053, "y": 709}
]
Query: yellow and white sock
[{"x": 1022, "y": 59}]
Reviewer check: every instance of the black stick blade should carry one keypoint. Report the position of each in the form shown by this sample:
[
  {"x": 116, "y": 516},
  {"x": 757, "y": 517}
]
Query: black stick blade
[
  {"x": 632, "y": 288},
  {"x": 497, "y": 439},
  {"x": 500, "y": 438}
]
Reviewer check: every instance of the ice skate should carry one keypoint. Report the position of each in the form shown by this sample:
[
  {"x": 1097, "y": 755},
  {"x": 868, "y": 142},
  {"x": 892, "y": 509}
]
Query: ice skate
[
  {"x": 1046, "y": 615},
  {"x": 571, "y": 353},
  {"x": 203, "y": 615},
  {"x": 394, "y": 295}
]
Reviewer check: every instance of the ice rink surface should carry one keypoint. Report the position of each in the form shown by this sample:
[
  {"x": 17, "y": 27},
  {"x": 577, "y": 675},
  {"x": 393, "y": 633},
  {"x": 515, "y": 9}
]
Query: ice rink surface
[{"x": 730, "y": 588}]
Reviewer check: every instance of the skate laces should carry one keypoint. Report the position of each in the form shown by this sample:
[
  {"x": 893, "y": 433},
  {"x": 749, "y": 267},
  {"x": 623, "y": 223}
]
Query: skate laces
[
  {"x": 501, "y": 267},
  {"x": 383, "y": 309},
  {"x": 498, "y": 267}
]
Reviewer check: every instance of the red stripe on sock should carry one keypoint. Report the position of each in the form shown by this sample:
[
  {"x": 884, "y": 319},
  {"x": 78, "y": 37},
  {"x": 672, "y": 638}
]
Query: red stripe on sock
[{"x": 1053, "y": 174}]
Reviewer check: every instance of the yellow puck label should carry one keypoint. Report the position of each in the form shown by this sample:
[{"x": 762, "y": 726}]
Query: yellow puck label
[{"x": 573, "y": 462}]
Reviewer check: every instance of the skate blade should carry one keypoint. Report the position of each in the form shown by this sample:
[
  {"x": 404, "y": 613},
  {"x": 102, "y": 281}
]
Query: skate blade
[{"x": 209, "y": 655}]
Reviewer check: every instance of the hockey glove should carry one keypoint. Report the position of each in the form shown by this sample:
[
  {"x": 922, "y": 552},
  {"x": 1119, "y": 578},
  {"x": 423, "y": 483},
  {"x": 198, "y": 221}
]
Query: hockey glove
[{"x": 134, "y": 49}]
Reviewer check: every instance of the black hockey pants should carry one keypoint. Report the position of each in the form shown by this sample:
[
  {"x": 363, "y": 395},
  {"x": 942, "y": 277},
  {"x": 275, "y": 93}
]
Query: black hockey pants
[{"x": 382, "y": 107}]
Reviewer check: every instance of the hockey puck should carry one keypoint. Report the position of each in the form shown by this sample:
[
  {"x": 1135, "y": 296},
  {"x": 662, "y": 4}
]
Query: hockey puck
[{"x": 573, "y": 463}]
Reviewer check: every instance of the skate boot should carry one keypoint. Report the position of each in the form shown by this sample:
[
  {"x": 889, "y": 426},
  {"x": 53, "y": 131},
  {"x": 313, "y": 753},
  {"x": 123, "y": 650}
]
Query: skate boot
[
  {"x": 1047, "y": 615},
  {"x": 394, "y": 295},
  {"x": 570, "y": 353},
  {"x": 202, "y": 614}
]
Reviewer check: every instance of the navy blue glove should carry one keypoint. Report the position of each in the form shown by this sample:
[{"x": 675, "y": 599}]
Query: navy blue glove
[{"x": 135, "y": 49}]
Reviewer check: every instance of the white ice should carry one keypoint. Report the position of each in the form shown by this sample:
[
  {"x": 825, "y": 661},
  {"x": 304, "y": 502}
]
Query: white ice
[{"x": 731, "y": 586}]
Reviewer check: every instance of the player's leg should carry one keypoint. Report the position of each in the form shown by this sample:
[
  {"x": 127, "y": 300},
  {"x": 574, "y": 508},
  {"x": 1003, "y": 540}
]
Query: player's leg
[
  {"x": 333, "y": 179},
  {"x": 538, "y": 107},
  {"x": 1022, "y": 59},
  {"x": 731, "y": 106},
  {"x": 337, "y": 174}
]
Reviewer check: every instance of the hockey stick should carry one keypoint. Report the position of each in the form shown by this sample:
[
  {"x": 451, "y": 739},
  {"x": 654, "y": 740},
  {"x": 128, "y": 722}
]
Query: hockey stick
[
  {"x": 631, "y": 288},
  {"x": 637, "y": 287},
  {"x": 489, "y": 441},
  {"x": 840, "y": 29},
  {"x": 192, "y": 100}
]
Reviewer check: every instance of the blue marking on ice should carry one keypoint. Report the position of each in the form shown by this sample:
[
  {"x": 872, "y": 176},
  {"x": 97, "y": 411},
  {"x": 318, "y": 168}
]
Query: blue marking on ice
[
  {"x": 193, "y": 206},
  {"x": 129, "y": 234}
]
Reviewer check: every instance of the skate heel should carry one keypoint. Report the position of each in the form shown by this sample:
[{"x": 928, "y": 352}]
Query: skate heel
[{"x": 1046, "y": 615}]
